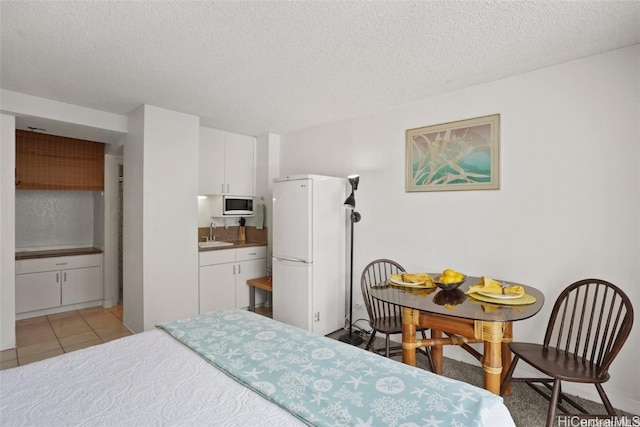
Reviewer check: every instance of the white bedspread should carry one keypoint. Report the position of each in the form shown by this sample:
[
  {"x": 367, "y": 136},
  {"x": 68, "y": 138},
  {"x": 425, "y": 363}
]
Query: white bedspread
[{"x": 150, "y": 379}]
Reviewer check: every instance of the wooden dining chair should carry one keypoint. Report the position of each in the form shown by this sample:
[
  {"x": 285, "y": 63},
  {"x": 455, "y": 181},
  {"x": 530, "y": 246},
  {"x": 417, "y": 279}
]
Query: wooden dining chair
[
  {"x": 589, "y": 323},
  {"x": 384, "y": 317}
]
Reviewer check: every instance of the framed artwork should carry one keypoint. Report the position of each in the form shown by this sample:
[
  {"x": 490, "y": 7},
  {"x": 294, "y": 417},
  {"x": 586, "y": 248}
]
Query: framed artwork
[{"x": 461, "y": 155}]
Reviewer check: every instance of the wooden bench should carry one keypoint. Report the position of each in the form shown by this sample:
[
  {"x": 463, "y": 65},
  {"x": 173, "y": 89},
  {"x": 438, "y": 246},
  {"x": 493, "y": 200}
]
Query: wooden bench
[{"x": 264, "y": 283}]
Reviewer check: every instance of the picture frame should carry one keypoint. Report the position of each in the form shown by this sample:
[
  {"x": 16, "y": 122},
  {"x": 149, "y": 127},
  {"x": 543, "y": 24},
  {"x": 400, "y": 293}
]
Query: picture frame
[{"x": 459, "y": 155}]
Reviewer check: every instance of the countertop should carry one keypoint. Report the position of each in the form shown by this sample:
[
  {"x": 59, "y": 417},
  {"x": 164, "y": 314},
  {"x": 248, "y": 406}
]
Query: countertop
[
  {"x": 236, "y": 245},
  {"x": 57, "y": 252},
  {"x": 88, "y": 251}
]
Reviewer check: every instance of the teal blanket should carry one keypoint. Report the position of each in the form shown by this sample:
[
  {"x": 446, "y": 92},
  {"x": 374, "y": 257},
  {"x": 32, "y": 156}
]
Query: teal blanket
[{"x": 325, "y": 382}]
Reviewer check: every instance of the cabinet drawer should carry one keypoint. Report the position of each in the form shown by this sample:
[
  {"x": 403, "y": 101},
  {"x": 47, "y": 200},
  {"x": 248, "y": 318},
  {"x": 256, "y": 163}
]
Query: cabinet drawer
[
  {"x": 254, "y": 252},
  {"x": 57, "y": 263},
  {"x": 221, "y": 256}
]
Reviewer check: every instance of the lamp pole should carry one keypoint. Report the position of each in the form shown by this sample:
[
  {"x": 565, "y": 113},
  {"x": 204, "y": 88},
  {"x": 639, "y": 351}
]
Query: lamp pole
[{"x": 350, "y": 338}]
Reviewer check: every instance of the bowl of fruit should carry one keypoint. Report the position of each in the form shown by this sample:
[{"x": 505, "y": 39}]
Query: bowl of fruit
[{"x": 450, "y": 279}]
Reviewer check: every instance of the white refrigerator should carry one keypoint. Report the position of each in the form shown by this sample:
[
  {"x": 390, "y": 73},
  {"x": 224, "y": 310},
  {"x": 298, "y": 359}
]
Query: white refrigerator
[{"x": 309, "y": 221}]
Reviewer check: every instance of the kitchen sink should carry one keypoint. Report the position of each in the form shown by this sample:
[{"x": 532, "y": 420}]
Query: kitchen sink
[{"x": 214, "y": 244}]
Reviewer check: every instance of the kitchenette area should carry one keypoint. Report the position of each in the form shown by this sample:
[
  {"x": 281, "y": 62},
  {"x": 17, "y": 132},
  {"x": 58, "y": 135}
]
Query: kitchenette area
[{"x": 60, "y": 226}]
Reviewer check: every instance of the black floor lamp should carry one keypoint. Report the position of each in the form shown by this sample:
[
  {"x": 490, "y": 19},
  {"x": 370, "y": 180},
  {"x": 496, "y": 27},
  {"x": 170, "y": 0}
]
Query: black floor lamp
[{"x": 350, "y": 203}]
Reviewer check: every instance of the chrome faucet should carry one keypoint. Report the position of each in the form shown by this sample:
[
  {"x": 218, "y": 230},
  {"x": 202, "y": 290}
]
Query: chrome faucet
[{"x": 212, "y": 227}]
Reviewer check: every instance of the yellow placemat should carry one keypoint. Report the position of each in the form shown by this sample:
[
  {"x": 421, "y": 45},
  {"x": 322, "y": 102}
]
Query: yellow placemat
[{"x": 523, "y": 300}]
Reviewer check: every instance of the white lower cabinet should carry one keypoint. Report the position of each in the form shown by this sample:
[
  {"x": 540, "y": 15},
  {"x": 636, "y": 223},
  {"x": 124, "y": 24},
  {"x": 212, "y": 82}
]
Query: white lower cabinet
[
  {"x": 37, "y": 291},
  {"x": 217, "y": 287},
  {"x": 224, "y": 274},
  {"x": 81, "y": 285},
  {"x": 52, "y": 283}
]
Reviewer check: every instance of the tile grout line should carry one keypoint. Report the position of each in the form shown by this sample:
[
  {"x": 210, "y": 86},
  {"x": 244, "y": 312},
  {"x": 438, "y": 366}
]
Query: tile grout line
[
  {"x": 91, "y": 327},
  {"x": 54, "y": 334},
  {"x": 49, "y": 324}
]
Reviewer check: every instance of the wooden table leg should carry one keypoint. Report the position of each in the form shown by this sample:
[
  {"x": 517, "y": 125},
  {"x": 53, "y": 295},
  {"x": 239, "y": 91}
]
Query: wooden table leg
[
  {"x": 492, "y": 364},
  {"x": 252, "y": 298},
  {"x": 437, "y": 352},
  {"x": 507, "y": 337},
  {"x": 409, "y": 321}
]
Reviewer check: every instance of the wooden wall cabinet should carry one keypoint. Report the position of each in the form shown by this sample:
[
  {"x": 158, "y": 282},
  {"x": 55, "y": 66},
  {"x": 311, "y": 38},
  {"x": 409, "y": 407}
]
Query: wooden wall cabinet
[{"x": 50, "y": 162}]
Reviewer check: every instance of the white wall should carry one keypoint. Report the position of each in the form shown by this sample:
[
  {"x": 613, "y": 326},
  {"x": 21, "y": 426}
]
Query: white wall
[
  {"x": 111, "y": 213},
  {"x": 267, "y": 169},
  {"x": 7, "y": 232},
  {"x": 60, "y": 118},
  {"x": 568, "y": 207},
  {"x": 133, "y": 225},
  {"x": 160, "y": 214}
]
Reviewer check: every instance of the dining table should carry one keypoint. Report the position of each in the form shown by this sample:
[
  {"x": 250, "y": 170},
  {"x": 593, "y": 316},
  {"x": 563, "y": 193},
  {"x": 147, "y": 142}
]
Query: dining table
[{"x": 455, "y": 317}]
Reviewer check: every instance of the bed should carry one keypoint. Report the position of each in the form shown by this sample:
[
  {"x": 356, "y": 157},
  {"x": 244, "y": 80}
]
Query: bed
[{"x": 236, "y": 368}]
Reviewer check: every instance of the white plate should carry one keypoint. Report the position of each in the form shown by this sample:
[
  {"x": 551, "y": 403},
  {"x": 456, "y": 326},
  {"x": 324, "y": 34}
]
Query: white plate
[
  {"x": 409, "y": 284},
  {"x": 499, "y": 296}
]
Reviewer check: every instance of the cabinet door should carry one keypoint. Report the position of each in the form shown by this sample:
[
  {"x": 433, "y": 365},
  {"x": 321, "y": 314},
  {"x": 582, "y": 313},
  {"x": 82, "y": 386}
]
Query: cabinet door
[
  {"x": 239, "y": 164},
  {"x": 211, "y": 162},
  {"x": 37, "y": 291},
  {"x": 217, "y": 287},
  {"x": 249, "y": 270},
  {"x": 81, "y": 285}
]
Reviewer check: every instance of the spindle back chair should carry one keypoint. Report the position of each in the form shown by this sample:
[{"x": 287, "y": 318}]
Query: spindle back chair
[
  {"x": 590, "y": 322},
  {"x": 384, "y": 317}
]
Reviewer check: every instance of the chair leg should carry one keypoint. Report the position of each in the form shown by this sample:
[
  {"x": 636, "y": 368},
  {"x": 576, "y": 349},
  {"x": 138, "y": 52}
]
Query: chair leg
[
  {"x": 427, "y": 352},
  {"x": 371, "y": 338},
  {"x": 553, "y": 402},
  {"x": 507, "y": 377},
  {"x": 605, "y": 399},
  {"x": 430, "y": 359},
  {"x": 560, "y": 395},
  {"x": 387, "y": 345}
]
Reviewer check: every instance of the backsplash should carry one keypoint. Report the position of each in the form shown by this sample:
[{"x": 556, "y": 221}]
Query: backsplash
[
  {"x": 230, "y": 234},
  {"x": 51, "y": 219}
]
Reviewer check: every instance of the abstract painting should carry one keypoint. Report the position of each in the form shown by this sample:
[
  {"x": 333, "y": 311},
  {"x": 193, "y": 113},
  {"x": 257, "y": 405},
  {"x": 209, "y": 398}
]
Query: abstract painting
[{"x": 460, "y": 155}]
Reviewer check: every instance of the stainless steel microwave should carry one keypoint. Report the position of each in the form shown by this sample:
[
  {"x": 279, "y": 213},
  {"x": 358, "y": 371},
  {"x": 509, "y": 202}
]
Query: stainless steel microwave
[{"x": 231, "y": 206}]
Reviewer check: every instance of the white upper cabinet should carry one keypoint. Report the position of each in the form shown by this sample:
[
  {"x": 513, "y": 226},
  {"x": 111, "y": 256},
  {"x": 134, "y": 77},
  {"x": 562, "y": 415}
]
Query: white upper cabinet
[
  {"x": 226, "y": 163},
  {"x": 211, "y": 161},
  {"x": 239, "y": 164}
]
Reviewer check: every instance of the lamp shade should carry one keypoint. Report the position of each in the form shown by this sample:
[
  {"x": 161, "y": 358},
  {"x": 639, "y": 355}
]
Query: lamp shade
[
  {"x": 354, "y": 180},
  {"x": 350, "y": 203}
]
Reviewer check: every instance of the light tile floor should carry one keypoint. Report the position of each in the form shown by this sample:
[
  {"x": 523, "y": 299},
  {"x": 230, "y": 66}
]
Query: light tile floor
[{"x": 42, "y": 337}]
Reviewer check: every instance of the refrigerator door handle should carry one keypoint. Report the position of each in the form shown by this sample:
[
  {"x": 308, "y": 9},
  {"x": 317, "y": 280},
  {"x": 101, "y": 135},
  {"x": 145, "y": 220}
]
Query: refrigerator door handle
[{"x": 296, "y": 260}]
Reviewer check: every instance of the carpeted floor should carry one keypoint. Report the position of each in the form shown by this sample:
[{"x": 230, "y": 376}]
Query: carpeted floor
[{"x": 527, "y": 408}]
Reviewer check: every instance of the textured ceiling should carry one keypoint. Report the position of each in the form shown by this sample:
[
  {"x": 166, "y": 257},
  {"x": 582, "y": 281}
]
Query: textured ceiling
[{"x": 278, "y": 66}]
